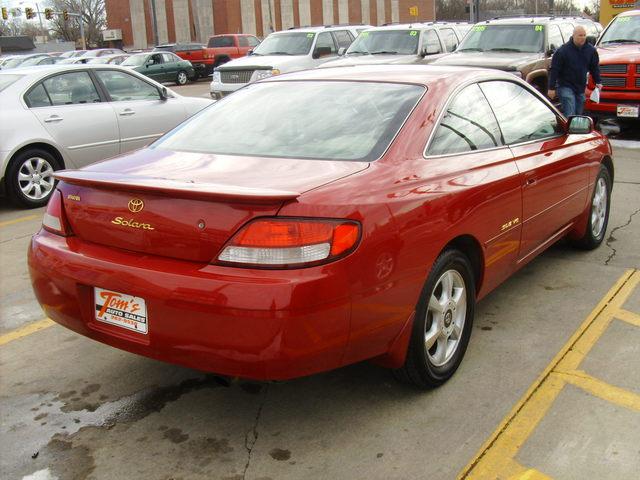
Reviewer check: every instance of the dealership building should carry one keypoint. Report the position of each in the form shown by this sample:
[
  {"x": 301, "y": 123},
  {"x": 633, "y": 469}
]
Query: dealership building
[{"x": 130, "y": 22}]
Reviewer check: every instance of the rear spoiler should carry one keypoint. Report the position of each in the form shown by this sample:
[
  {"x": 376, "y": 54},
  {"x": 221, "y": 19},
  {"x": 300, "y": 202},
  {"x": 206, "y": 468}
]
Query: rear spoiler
[{"x": 173, "y": 188}]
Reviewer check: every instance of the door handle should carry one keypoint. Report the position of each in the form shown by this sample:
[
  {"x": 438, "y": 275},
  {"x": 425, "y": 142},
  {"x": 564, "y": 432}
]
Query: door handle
[
  {"x": 53, "y": 119},
  {"x": 127, "y": 112},
  {"x": 531, "y": 181}
]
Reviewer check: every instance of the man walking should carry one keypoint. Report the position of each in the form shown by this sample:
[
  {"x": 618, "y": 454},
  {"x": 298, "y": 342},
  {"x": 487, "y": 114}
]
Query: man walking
[{"x": 568, "y": 74}]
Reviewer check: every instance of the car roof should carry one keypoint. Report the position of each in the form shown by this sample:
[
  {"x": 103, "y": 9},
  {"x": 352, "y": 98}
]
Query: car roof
[
  {"x": 416, "y": 25},
  {"x": 323, "y": 28},
  {"x": 521, "y": 20},
  {"x": 48, "y": 69},
  {"x": 629, "y": 13},
  {"x": 415, "y": 74}
]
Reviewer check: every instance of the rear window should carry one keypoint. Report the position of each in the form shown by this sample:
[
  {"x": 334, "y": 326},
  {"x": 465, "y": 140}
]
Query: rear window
[
  {"x": 221, "y": 42},
  {"x": 6, "y": 80},
  {"x": 326, "y": 120}
]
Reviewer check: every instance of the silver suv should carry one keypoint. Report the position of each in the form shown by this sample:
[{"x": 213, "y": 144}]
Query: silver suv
[
  {"x": 283, "y": 52},
  {"x": 403, "y": 44}
]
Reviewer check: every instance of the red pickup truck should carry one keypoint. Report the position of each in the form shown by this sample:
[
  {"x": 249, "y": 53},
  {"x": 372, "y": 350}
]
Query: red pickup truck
[
  {"x": 229, "y": 46},
  {"x": 619, "y": 69},
  {"x": 199, "y": 56}
]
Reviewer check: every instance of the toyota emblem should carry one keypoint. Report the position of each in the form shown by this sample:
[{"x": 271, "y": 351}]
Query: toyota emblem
[{"x": 135, "y": 205}]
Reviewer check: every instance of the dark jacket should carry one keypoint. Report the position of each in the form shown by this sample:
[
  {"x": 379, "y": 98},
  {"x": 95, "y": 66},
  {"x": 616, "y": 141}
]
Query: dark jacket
[{"x": 570, "y": 64}]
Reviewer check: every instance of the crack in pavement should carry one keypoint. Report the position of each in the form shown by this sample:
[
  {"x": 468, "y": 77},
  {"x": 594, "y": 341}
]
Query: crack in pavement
[
  {"x": 611, "y": 238},
  {"x": 250, "y": 443}
]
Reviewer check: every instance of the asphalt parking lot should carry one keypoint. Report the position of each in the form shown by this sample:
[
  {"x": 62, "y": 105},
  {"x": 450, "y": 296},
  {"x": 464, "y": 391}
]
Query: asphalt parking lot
[{"x": 549, "y": 388}]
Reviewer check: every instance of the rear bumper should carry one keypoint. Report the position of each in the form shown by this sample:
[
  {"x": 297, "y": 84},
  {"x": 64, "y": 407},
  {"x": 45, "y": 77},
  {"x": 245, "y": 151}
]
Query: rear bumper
[{"x": 265, "y": 325}]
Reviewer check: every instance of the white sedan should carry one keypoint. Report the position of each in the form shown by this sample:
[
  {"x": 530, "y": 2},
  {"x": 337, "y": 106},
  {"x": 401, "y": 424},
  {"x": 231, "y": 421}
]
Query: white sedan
[{"x": 67, "y": 116}]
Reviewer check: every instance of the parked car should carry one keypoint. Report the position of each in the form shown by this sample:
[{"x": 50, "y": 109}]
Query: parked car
[
  {"x": 281, "y": 52},
  {"x": 262, "y": 238},
  {"x": 67, "y": 116},
  {"x": 226, "y": 47},
  {"x": 72, "y": 61},
  {"x": 162, "y": 67},
  {"x": 101, "y": 52},
  {"x": 73, "y": 53},
  {"x": 116, "y": 59},
  {"x": 196, "y": 53},
  {"x": 401, "y": 44},
  {"x": 520, "y": 45},
  {"x": 619, "y": 51},
  {"x": 40, "y": 60},
  {"x": 17, "y": 60}
]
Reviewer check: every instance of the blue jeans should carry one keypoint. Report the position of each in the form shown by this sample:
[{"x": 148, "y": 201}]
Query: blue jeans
[{"x": 572, "y": 103}]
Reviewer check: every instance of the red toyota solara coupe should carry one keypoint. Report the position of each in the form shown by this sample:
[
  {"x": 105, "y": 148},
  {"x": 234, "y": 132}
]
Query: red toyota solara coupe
[{"x": 322, "y": 218}]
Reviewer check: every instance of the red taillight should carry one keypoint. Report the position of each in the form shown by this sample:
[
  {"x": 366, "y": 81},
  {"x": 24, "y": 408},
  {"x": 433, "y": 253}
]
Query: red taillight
[
  {"x": 54, "y": 219},
  {"x": 291, "y": 242}
]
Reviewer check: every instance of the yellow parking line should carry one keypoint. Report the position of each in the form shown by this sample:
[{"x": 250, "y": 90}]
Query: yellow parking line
[
  {"x": 629, "y": 317},
  {"x": 603, "y": 390},
  {"x": 26, "y": 330},
  {"x": 531, "y": 474},
  {"x": 501, "y": 448},
  {"x": 18, "y": 220}
]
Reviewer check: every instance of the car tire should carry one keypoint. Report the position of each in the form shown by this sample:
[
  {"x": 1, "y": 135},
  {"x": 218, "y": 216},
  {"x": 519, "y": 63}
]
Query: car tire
[
  {"x": 182, "y": 78},
  {"x": 598, "y": 212},
  {"x": 29, "y": 178},
  {"x": 443, "y": 322}
]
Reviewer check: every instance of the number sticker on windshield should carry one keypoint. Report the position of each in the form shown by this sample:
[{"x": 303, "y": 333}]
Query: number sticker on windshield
[
  {"x": 538, "y": 28},
  {"x": 364, "y": 34},
  {"x": 413, "y": 33},
  {"x": 623, "y": 19},
  {"x": 310, "y": 35},
  {"x": 480, "y": 28}
]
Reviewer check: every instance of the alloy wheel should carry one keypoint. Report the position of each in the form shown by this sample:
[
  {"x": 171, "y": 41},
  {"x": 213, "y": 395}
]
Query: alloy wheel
[
  {"x": 599, "y": 207},
  {"x": 35, "y": 178}
]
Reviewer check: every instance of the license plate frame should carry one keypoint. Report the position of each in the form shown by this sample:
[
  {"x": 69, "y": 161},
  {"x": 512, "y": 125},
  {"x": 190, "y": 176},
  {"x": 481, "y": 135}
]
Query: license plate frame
[
  {"x": 628, "y": 111},
  {"x": 121, "y": 309}
]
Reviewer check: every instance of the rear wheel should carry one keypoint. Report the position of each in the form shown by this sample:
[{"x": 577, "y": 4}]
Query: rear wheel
[
  {"x": 598, "y": 212},
  {"x": 182, "y": 78},
  {"x": 442, "y": 326},
  {"x": 29, "y": 178}
]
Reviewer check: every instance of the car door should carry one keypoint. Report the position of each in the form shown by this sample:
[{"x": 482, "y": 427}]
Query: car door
[
  {"x": 468, "y": 163},
  {"x": 154, "y": 67},
  {"x": 553, "y": 166},
  {"x": 72, "y": 111},
  {"x": 142, "y": 115},
  {"x": 171, "y": 64}
]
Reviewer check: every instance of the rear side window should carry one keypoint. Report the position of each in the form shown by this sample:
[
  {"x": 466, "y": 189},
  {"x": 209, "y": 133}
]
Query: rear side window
[
  {"x": 513, "y": 103},
  {"x": 325, "y": 40},
  {"x": 124, "y": 87},
  {"x": 467, "y": 125},
  {"x": 38, "y": 97},
  {"x": 71, "y": 88},
  {"x": 169, "y": 58},
  {"x": 449, "y": 39},
  {"x": 221, "y": 42}
]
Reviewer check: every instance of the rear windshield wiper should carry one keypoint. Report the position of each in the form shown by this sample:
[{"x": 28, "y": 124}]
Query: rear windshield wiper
[
  {"x": 621, "y": 40},
  {"x": 384, "y": 52},
  {"x": 504, "y": 49},
  {"x": 469, "y": 50}
]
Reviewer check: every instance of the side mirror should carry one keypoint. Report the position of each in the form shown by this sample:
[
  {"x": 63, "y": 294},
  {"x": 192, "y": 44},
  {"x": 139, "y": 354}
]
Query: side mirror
[
  {"x": 163, "y": 93},
  {"x": 551, "y": 51},
  {"x": 320, "y": 52},
  {"x": 580, "y": 124},
  {"x": 342, "y": 51},
  {"x": 591, "y": 39},
  {"x": 249, "y": 52}
]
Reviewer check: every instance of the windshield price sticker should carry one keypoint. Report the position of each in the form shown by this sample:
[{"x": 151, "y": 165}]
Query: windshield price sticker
[
  {"x": 310, "y": 35},
  {"x": 413, "y": 33},
  {"x": 480, "y": 28},
  {"x": 538, "y": 28},
  {"x": 120, "y": 309},
  {"x": 364, "y": 34}
]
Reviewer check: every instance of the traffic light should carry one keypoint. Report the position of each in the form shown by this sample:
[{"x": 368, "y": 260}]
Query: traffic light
[
  {"x": 65, "y": 15},
  {"x": 5, "y": 14},
  {"x": 29, "y": 13},
  {"x": 48, "y": 13}
]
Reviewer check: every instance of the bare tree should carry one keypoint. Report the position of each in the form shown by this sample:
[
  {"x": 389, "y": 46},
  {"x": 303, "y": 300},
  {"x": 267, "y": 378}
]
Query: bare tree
[{"x": 93, "y": 15}]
